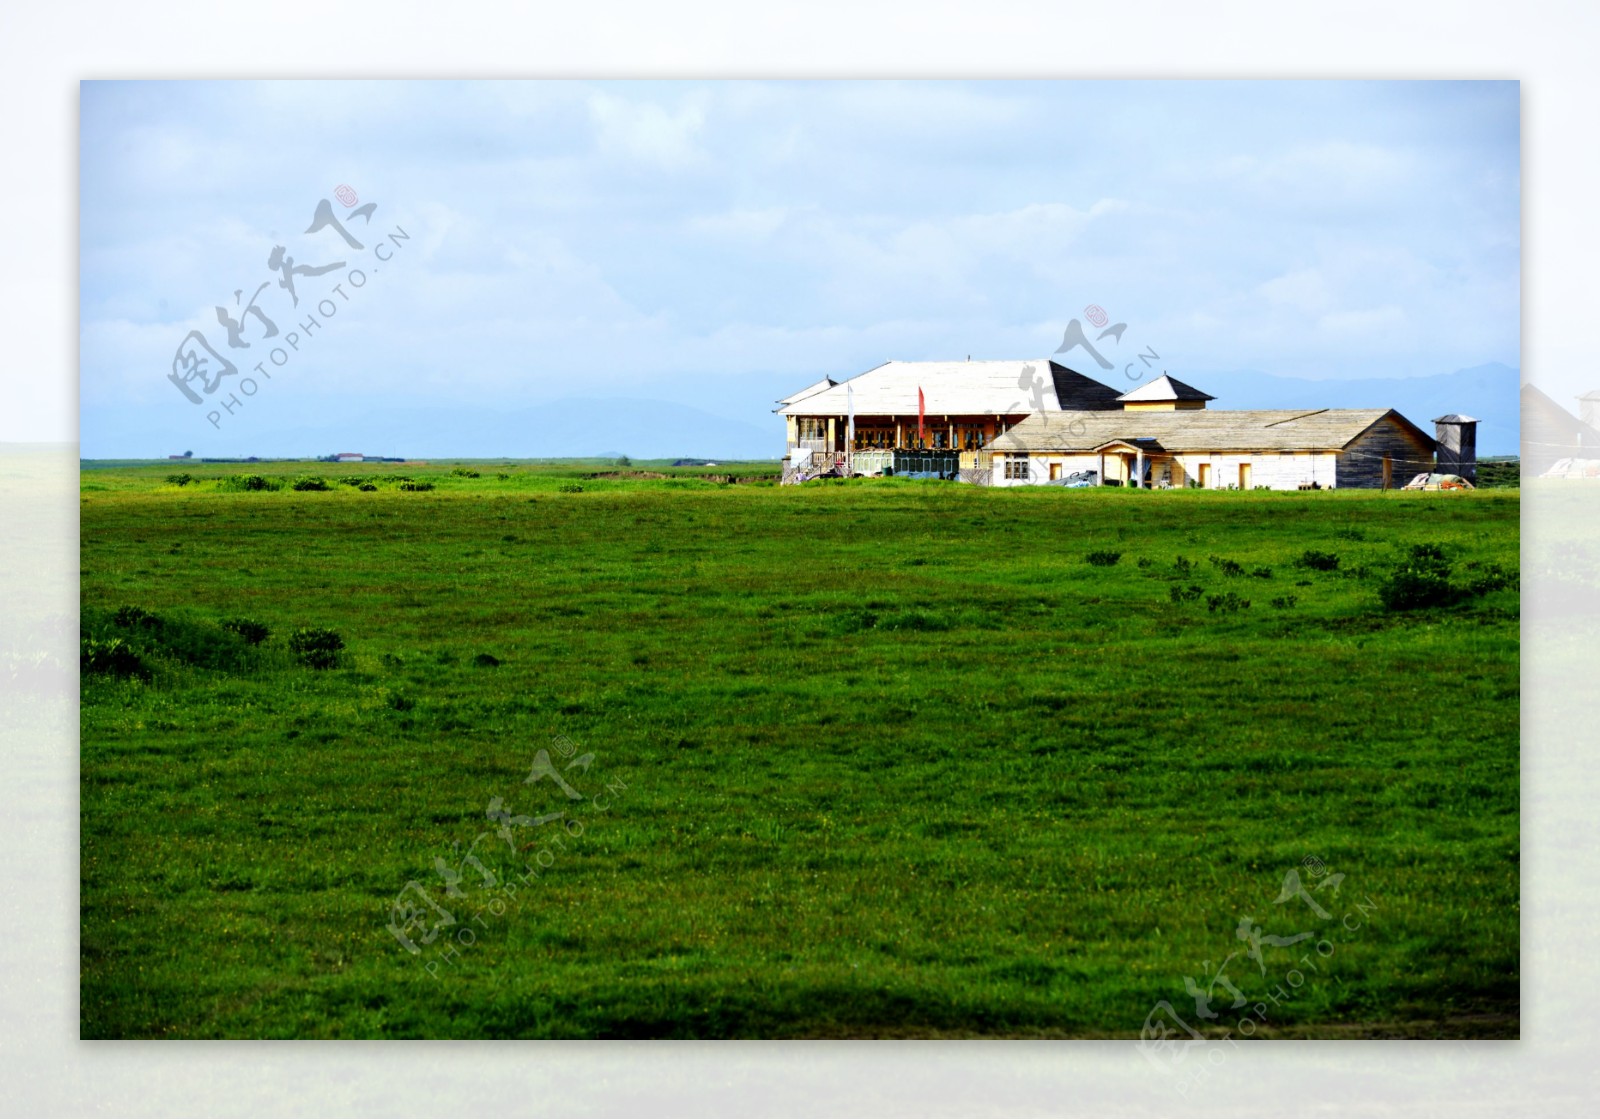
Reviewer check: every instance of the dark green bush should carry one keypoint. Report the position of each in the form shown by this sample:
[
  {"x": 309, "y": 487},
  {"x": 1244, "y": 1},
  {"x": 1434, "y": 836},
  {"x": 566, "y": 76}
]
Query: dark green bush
[
  {"x": 1230, "y": 568},
  {"x": 366, "y": 488},
  {"x": 1421, "y": 580},
  {"x": 311, "y": 482},
  {"x": 180, "y": 479},
  {"x": 463, "y": 472},
  {"x": 1490, "y": 577},
  {"x": 485, "y": 660},
  {"x": 1185, "y": 594},
  {"x": 351, "y": 480},
  {"x": 416, "y": 486},
  {"x": 1103, "y": 558},
  {"x": 1318, "y": 561},
  {"x": 253, "y": 632},
  {"x": 1284, "y": 602},
  {"x": 111, "y": 657},
  {"x": 251, "y": 482},
  {"x": 1261, "y": 573},
  {"x": 1145, "y": 561},
  {"x": 570, "y": 488},
  {"x": 316, "y": 646},
  {"x": 1226, "y": 603},
  {"x": 1183, "y": 566},
  {"x": 135, "y": 618}
]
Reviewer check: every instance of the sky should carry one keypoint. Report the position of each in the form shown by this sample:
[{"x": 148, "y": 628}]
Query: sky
[{"x": 714, "y": 245}]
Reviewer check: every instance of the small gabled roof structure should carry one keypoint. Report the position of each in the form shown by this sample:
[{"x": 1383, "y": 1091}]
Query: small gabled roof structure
[{"x": 1164, "y": 388}]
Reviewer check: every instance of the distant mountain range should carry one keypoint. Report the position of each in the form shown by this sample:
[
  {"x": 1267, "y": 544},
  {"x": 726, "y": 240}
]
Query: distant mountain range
[{"x": 742, "y": 426}]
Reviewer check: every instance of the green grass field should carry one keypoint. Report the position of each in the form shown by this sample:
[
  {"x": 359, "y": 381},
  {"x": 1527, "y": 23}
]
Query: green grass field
[{"x": 877, "y": 758}]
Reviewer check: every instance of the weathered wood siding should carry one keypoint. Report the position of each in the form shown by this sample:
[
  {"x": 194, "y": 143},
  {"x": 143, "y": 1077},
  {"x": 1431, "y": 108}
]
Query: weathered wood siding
[{"x": 1361, "y": 463}]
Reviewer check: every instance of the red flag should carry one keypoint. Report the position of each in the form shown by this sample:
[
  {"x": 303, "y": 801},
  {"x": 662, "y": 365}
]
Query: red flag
[{"x": 922, "y": 409}]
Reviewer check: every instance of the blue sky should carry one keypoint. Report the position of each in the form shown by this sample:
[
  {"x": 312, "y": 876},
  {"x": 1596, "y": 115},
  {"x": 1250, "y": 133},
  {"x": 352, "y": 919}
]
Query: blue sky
[{"x": 713, "y": 245}]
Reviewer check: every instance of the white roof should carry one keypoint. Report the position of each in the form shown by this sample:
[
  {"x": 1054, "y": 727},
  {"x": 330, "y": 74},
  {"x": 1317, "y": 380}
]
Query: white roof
[
  {"x": 809, "y": 390},
  {"x": 983, "y": 388},
  {"x": 1165, "y": 388}
]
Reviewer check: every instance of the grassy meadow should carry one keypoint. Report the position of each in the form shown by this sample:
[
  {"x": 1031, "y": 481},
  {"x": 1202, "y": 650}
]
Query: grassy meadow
[{"x": 865, "y": 758}]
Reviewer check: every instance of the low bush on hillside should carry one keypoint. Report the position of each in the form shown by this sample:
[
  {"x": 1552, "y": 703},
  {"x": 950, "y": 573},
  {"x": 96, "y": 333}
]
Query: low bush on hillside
[
  {"x": 1230, "y": 568},
  {"x": 1226, "y": 603},
  {"x": 366, "y": 488},
  {"x": 251, "y": 482},
  {"x": 570, "y": 488},
  {"x": 1185, "y": 594},
  {"x": 1318, "y": 561},
  {"x": 417, "y": 487},
  {"x": 180, "y": 479},
  {"x": 463, "y": 472},
  {"x": 311, "y": 482},
  {"x": 253, "y": 632},
  {"x": 1102, "y": 558},
  {"x": 316, "y": 646},
  {"x": 1420, "y": 580},
  {"x": 111, "y": 657}
]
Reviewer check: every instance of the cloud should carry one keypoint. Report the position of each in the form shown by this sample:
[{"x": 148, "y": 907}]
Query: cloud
[{"x": 648, "y": 132}]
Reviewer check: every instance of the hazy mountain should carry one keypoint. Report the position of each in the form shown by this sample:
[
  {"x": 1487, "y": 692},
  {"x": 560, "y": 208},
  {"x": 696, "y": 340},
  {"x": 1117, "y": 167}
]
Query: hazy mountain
[{"x": 675, "y": 419}]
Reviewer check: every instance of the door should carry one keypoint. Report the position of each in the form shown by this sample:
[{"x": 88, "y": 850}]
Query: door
[
  {"x": 1205, "y": 475},
  {"x": 1055, "y": 471},
  {"x": 1244, "y": 476}
]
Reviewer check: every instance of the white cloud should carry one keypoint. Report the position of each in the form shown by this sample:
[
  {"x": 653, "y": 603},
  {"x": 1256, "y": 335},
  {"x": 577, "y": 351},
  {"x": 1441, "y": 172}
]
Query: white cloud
[{"x": 648, "y": 132}]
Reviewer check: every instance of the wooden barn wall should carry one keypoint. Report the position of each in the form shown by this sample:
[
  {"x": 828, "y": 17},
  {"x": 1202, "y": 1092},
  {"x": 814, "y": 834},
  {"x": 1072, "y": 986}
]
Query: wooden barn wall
[{"x": 1361, "y": 464}]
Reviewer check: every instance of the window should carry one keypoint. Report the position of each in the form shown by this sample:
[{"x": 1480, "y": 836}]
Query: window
[{"x": 1017, "y": 466}]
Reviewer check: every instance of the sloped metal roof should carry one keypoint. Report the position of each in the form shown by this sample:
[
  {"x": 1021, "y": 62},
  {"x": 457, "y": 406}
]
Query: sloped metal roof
[
  {"x": 1200, "y": 429},
  {"x": 1012, "y": 387}
]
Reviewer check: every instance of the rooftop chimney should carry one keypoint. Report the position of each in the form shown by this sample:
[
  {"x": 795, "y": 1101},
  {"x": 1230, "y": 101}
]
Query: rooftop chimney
[{"x": 1458, "y": 446}]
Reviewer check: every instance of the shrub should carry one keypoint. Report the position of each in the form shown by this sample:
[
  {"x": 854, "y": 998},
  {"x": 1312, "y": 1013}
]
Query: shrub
[
  {"x": 1103, "y": 558},
  {"x": 1183, "y": 565},
  {"x": 570, "y": 488},
  {"x": 1185, "y": 594},
  {"x": 112, "y": 657},
  {"x": 311, "y": 482},
  {"x": 316, "y": 646},
  {"x": 1283, "y": 602},
  {"x": 416, "y": 486},
  {"x": 1318, "y": 561},
  {"x": 249, "y": 629},
  {"x": 366, "y": 487},
  {"x": 180, "y": 479},
  {"x": 1226, "y": 603},
  {"x": 1230, "y": 568},
  {"x": 351, "y": 480},
  {"x": 502, "y": 476},
  {"x": 486, "y": 660},
  {"x": 1145, "y": 561},
  {"x": 463, "y": 472},
  {"x": 1491, "y": 577},
  {"x": 1421, "y": 580},
  {"x": 135, "y": 617},
  {"x": 1261, "y": 573},
  {"x": 253, "y": 482}
]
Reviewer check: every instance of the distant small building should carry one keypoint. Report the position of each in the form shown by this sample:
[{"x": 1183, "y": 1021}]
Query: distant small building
[{"x": 349, "y": 457}]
